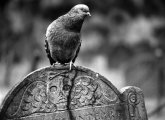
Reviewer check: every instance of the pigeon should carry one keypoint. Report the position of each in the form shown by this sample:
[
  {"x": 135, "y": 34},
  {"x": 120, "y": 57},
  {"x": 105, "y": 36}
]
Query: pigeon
[{"x": 63, "y": 41}]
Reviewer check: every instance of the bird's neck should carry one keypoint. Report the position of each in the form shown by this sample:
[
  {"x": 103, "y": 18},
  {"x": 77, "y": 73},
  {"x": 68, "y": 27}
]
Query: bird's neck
[{"x": 74, "y": 23}]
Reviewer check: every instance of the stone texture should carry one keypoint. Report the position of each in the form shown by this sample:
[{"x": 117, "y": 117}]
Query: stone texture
[{"x": 57, "y": 93}]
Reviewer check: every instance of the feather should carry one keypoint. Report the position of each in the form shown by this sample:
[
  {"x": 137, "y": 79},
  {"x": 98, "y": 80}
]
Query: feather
[
  {"x": 63, "y": 35},
  {"x": 48, "y": 53}
]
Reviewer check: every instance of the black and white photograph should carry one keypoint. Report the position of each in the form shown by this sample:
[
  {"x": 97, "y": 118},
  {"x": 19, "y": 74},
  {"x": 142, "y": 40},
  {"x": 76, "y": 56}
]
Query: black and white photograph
[{"x": 82, "y": 60}]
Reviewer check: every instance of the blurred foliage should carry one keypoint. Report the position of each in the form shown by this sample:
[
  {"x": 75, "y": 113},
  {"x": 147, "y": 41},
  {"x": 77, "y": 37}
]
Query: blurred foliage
[
  {"x": 127, "y": 33},
  {"x": 18, "y": 19}
]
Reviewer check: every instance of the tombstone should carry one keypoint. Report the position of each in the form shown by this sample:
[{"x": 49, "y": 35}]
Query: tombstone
[{"x": 57, "y": 93}]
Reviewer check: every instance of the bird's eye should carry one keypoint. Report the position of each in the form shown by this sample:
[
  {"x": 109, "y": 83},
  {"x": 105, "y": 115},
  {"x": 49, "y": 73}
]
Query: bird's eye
[{"x": 84, "y": 10}]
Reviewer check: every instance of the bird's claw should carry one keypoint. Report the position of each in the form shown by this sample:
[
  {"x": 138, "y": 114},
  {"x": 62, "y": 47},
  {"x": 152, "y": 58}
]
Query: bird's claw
[{"x": 70, "y": 65}]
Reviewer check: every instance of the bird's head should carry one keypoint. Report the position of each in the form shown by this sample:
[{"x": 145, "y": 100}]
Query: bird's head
[
  {"x": 75, "y": 17},
  {"x": 81, "y": 9}
]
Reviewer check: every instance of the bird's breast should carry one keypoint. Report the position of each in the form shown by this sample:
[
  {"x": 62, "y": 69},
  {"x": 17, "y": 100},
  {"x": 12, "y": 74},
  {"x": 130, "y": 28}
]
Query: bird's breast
[{"x": 63, "y": 45}]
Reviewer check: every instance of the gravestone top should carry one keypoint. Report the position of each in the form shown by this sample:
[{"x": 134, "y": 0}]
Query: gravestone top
[{"x": 57, "y": 93}]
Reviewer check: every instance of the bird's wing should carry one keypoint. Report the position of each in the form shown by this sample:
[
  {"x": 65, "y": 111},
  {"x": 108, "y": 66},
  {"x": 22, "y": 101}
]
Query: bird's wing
[
  {"x": 48, "y": 53},
  {"x": 78, "y": 49}
]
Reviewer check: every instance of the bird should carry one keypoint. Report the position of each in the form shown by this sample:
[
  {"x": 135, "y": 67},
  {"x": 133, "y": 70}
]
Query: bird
[{"x": 63, "y": 36}]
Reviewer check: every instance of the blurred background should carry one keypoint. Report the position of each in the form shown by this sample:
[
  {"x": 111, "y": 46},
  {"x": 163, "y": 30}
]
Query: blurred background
[{"x": 124, "y": 40}]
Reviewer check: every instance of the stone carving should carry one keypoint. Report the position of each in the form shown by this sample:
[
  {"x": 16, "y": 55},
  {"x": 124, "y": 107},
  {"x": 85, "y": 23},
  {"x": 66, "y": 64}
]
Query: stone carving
[
  {"x": 87, "y": 92},
  {"x": 135, "y": 108},
  {"x": 56, "y": 93}
]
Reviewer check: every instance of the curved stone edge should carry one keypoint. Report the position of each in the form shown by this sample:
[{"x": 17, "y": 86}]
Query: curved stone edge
[
  {"x": 104, "y": 80},
  {"x": 26, "y": 81},
  {"x": 15, "y": 89},
  {"x": 134, "y": 103}
]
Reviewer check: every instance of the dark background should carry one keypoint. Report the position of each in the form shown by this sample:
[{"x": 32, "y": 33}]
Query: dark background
[{"x": 124, "y": 40}]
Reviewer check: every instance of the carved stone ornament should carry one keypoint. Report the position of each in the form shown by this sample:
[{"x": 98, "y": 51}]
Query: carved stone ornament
[{"x": 57, "y": 93}]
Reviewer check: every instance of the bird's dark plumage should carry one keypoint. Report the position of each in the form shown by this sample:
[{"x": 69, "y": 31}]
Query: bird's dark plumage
[
  {"x": 63, "y": 35},
  {"x": 48, "y": 53}
]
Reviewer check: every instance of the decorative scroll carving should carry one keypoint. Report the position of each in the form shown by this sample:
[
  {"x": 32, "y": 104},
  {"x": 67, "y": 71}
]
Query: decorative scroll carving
[
  {"x": 87, "y": 92},
  {"x": 55, "y": 93},
  {"x": 135, "y": 107}
]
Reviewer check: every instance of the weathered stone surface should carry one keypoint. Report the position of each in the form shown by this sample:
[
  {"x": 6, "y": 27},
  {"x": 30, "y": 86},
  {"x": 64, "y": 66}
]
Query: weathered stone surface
[
  {"x": 56, "y": 93},
  {"x": 134, "y": 103}
]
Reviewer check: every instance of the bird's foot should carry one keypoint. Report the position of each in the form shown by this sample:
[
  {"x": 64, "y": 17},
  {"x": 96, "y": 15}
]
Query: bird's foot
[
  {"x": 70, "y": 65},
  {"x": 54, "y": 64}
]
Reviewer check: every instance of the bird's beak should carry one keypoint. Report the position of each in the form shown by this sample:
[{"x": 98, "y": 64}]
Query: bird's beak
[{"x": 88, "y": 13}]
